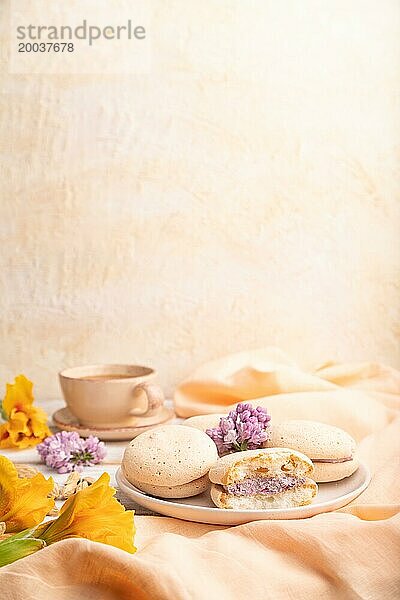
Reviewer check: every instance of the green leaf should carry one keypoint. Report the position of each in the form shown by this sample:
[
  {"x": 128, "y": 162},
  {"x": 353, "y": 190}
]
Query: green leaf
[
  {"x": 25, "y": 533},
  {"x": 3, "y": 415},
  {"x": 15, "y": 547}
]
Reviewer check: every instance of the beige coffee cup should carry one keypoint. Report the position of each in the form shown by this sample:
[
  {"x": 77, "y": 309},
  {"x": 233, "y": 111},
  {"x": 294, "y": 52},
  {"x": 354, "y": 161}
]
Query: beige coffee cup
[{"x": 112, "y": 395}]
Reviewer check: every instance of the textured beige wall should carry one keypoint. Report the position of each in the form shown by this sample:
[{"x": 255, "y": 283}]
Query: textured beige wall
[{"x": 243, "y": 193}]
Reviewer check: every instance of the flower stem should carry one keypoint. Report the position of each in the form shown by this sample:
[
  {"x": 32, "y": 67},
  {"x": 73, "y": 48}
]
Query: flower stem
[{"x": 18, "y": 546}]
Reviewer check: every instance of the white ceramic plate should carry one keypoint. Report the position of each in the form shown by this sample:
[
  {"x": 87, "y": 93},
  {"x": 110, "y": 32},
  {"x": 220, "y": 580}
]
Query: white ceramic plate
[{"x": 331, "y": 496}]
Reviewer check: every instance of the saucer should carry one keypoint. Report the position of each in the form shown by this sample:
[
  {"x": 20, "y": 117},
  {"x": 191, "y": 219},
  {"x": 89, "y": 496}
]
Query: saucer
[{"x": 64, "y": 419}]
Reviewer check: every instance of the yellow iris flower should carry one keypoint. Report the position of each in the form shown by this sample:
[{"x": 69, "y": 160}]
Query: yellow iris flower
[
  {"x": 92, "y": 513},
  {"x": 23, "y": 502},
  {"x": 26, "y": 424}
]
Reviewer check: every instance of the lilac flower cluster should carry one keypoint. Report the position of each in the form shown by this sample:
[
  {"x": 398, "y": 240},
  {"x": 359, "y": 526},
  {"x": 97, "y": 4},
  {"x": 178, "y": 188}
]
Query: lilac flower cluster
[
  {"x": 245, "y": 428},
  {"x": 67, "y": 451}
]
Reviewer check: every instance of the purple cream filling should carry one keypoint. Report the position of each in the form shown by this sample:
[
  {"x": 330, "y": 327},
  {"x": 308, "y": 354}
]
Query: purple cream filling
[
  {"x": 263, "y": 485},
  {"x": 332, "y": 460}
]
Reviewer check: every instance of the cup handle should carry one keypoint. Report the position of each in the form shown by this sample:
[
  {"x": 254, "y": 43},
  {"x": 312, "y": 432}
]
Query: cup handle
[{"x": 154, "y": 396}]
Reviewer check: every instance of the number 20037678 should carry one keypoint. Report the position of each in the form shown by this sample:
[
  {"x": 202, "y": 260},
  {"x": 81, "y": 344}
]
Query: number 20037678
[{"x": 46, "y": 47}]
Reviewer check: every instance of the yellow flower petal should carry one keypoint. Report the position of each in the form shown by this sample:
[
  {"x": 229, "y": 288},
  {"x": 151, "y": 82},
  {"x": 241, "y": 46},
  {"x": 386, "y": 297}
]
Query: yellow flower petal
[
  {"x": 23, "y": 502},
  {"x": 18, "y": 395},
  {"x": 27, "y": 424},
  {"x": 38, "y": 423},
  {"x": 93, "y": 513},
  {"x": 18, "y": 422},
  {"x": 3, "y": 435},
  {"x": 21, "y": 432}
]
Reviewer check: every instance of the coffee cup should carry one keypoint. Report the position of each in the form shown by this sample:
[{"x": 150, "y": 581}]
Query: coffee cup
[{"x": 112, "y": 395}]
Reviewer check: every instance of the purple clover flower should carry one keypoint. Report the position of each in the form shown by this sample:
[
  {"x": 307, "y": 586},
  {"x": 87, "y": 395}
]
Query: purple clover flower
[
  {"x": 245, "y": 428},
  {"x": 67, "y": 451}
]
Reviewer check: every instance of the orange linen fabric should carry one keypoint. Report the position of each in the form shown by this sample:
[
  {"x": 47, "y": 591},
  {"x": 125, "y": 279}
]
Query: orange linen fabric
[
  {"x": 359, "y": 397},
  {"x": 349, "y": 554}
]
